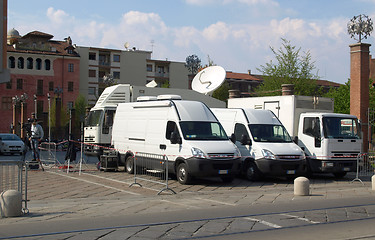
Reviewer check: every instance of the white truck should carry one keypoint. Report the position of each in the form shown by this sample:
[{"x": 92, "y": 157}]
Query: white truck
[
  {"x": 98, "y": 123},
  {"x": 265, "y": 145},
  {"x": 331, "y": 141},
  {"x": 187, "y": 132}
]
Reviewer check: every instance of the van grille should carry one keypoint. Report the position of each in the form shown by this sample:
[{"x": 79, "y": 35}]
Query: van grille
[
  {"x": 345, "y": 155},
  {"x": 219, "y": 156},
  {"x": 288, "y": 157}
]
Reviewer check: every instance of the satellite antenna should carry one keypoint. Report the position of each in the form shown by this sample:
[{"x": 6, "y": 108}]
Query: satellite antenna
[
  {"x": 126, "y": 45},
  {"x": 208, "y": 79},
  {"x": 151, "y": 84}
]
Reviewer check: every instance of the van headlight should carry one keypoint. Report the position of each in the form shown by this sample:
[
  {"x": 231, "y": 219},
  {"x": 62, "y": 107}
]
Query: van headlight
[
  {"x": 198, "y": 153},
  {"x": 267, "y": 154},
  {"x": 237, "y": 153}
]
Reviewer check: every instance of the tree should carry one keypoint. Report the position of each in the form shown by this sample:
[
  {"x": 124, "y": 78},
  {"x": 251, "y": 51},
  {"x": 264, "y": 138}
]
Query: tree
[
  {"x": 193, "y": 64},
  {"x": 341, "y": 98},
  {"x": 291, "y": 67}
]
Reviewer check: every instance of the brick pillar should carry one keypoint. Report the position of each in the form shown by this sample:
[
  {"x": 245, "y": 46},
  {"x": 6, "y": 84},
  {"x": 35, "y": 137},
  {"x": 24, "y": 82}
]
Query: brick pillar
[{"x": 359, "y": 85}]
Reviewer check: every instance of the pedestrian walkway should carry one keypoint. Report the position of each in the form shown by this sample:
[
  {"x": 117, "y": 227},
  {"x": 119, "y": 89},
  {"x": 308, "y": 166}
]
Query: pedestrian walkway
[{"x": 57, "y": 195}]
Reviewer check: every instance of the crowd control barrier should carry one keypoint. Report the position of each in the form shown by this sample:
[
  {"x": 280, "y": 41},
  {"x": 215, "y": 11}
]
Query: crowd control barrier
[
  {"x": 151, "y": 168},
  {"x": 13, "y": 176},
  {"x": 365, "y": 165},
  {"x": 47, "y": 152}
]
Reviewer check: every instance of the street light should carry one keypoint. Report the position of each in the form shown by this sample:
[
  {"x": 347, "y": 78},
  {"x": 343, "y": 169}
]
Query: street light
[
  {"x": 49, "y": 118},
  {"x": 35, "y": 107}
]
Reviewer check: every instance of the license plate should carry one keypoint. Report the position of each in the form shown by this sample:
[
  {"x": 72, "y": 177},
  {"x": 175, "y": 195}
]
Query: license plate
[
  {"x": 291, "y": 172},
  {"x": 223, "y": 171},
  {"x": 346, "y": 169}
]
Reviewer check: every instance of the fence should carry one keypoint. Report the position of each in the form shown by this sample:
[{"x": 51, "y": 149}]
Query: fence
[
  {"x": 48, "y": 151},
  {"x": 151, "y": 168},
  {"x": 13, "y": 176},
  {"x": 365, "y": 165}
]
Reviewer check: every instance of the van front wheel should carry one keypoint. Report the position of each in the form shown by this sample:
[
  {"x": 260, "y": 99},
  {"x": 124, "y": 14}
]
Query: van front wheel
[
  {"x": 183, "y": 175},
  {"x": 129, "y": 164}
]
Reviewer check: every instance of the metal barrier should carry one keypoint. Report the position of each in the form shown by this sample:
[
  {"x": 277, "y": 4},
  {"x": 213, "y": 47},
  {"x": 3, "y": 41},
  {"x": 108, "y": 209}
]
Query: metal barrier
[
  {"x": 48, "y": 153},
  {"x": 365, "y": 165},
  {"x": 151, "y": 168},
  {"x": 13, "y": 176}
]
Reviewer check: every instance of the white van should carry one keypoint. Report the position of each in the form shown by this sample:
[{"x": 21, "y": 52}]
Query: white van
[
  {"x": 266, "y": 147},
  {"x": 187, "y": 132}
]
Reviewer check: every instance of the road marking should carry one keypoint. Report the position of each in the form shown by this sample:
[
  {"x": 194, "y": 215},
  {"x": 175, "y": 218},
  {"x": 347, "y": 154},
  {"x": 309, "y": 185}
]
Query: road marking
[
  {"x": 300, "y": 218},
  {"x": 215, "y": 201},
  {"x": 99, "y": 184},
  {"x": 263, "y": 222}
]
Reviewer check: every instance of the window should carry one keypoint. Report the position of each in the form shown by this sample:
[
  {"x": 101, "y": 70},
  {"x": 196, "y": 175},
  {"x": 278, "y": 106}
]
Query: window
[
  {"x": 39, "y": 87},
  {"x": 30, "y": 63},
  {"x": 39, "y": 107},
  {"x": 70, "y": 86},
  {"x": 92, "y": 91},
  {"x": 311, "y": 126},
  {"x": 38, "y": 64},
  {"x": 70, "y": 67},
  {"x": 70, "y": 51},
  {"x": 195, "y": 130},
  {"x": 21, "y": 63},
  {"x": 92, "y": 56},
  {"x": 171, "y": 127},
  {"x": 116, "y": 58},
  {"x": 160, "y": 69},
  {"x": 47, "y": 64},
  {"x": 6, "y": 103},
  {"x": 149, "y": 68},
  {"x": 9, "y": 84},
  {"x": 19, "y": 84},
  {"x": 11, "y": 62},
  {"x": 116, "y": 75},
  {"x": 240, "y": 130},
  {"x": 51, "y": 86},
  {"x": 92, "y": 73}
]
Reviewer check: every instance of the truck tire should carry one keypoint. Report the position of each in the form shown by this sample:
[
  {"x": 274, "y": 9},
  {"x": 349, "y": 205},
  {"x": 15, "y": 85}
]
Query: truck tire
[
  {"x": 252, "y": 172},
  {"x": 129, "y": 164},
  {"x": 183, "y": 175}
]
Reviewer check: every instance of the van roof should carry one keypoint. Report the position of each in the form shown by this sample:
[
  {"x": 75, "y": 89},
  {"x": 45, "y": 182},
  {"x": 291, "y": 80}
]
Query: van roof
[
  {"x": 259, "y": 116},
  {"x": 194, "y": 111}
]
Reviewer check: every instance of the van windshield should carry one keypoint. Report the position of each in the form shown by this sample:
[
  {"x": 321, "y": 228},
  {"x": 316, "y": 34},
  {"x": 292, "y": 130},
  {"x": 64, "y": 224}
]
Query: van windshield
[
  {"x": 341, "y": 128},
  {"x": 269, "y": 133},
  {"x": 93, "y": 118},
  {"x": 192, "y": 130}
]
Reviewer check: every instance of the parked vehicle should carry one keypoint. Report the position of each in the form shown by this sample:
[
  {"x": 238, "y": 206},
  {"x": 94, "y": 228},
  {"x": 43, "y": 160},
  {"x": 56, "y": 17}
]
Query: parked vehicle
[
  {"x": 11, "y": 144},
  {"x": 187, "y": 132},
  {"x": 265, "y": 145},
  {"x": 331, "y": 141},
  {"x": 98, "y": 124}
]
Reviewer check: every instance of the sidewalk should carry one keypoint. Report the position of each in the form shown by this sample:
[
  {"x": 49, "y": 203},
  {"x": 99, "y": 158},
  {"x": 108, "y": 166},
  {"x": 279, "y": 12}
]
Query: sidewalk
[{"x": 57, "y": 195}]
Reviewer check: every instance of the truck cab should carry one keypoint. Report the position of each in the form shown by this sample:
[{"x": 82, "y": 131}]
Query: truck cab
[{"x": 331, "y": 142}]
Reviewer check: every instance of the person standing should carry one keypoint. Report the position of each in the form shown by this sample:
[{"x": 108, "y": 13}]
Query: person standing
[{"x": 37, "y": 134}]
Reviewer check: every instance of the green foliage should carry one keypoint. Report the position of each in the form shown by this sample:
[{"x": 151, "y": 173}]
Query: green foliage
[
  {"x": 193, "y": 64},
  {"x": 165, "y": 84},
  {"x": 341, "y": 98},
  {"x": 222, "y": 93},
  {"x": 80, "y": 105},
  {"x": 291, "y": 67}
]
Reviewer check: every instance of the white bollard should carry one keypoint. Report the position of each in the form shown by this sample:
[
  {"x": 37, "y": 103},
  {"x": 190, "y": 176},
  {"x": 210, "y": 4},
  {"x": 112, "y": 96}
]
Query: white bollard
[
  {"x": 10, "y": 203},
  {"x": 301, "y": 186},
  {"x": 373, "y": 182}
]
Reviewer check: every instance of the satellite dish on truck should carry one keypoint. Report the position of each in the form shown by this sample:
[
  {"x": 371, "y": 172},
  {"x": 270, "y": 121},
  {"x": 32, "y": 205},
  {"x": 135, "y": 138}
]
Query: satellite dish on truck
[{"x": 208, "y": 79}]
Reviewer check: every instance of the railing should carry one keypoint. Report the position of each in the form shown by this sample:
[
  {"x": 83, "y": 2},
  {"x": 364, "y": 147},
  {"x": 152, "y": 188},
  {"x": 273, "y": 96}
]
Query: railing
[
  {"x": 365, "y": 165},
  {"x": 13, "y": 176},
  {"x": 151, "y": 168}
]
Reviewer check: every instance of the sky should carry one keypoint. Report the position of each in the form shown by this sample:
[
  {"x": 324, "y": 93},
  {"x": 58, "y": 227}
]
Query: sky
[{"x": 235, "y": 34}]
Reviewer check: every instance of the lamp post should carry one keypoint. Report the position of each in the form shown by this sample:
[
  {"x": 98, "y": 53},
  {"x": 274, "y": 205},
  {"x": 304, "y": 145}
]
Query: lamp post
[
  {"x": 35, "y": 107},
  {"x": 15, "y": 101},
  {"x": 23, "y": 99},
  {"x": 49, "y": 118}
]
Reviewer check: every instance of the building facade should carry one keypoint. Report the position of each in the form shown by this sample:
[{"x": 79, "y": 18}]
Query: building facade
[
  {"x": 101, "y": 67},
  {"x": 39, "y": 66}
]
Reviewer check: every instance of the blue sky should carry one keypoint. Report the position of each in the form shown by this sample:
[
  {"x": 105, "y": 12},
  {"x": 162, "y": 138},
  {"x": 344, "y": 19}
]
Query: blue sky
[{"x": 235, "y": 34}]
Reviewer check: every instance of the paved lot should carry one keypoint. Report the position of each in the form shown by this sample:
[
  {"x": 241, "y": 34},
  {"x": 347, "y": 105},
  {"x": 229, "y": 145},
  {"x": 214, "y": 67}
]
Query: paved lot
[{"x": 57, "y": 195}]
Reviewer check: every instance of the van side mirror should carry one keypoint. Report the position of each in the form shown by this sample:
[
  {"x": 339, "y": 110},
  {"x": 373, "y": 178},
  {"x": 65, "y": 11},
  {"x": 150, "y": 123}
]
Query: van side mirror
[
  {"x": 175, "y": 138},
  {"x": 233, "y": 138},
  {"x": 295, "y": 139},
  {"x": 245, "y": 140}
]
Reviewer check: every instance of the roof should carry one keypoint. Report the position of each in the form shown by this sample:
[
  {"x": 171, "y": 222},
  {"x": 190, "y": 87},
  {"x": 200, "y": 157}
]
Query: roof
[
  {"x": 38, "y": 34},
  {"x": 241, "y": 76}
]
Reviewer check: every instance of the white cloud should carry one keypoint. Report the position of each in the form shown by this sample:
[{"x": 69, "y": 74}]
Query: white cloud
[
  {"x": 57, "y": 16},
  {"x": 216, "y": 32}
]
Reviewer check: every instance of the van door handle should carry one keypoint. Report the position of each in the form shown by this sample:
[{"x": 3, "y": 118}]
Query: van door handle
[{"x": 163, "y": 146}]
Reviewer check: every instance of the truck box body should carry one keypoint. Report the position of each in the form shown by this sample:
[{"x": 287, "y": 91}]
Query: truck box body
[
  {"x": 271, "y": 149},
  {"x": 148, "y": 127},
  {"x": 310, "y": 119},
  {"x": 98, "y": 125}
]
